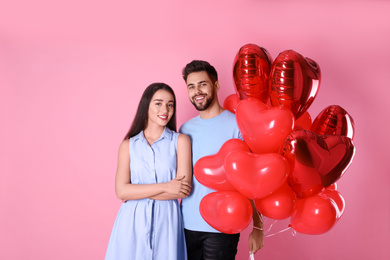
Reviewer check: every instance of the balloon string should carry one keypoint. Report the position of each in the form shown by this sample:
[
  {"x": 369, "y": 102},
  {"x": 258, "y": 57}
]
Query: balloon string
[
  {"x": 281, "y": 231},
  {"x": 270, "y": 226},
  {"x": 293, "y": 232}
]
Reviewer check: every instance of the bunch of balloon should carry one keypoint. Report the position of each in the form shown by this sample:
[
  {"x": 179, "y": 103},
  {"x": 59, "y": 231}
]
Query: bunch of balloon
[
  {"x": 287, "y": 164},
  {"x": 247, "y": 170}
]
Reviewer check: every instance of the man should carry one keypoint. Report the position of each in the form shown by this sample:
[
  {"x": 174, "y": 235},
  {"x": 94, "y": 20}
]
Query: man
[{"x": 208, "y": 132}]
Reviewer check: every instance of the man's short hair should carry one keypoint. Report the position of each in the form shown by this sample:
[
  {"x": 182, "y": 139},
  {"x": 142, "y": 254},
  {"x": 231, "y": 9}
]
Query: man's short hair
[{"x": 200, "y": 65}]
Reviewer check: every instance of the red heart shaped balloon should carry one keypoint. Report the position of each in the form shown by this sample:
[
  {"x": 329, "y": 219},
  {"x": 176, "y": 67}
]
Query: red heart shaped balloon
[
  {"x": 256, "y": 175},
  {"x": 303, "y": 122},
  {"x": 334, "y": 120},
  {"x": 279, "y": 204},
  {"x": 209, "y": 170},
  {"x": 251, "y": 69},
  {"x": 263, "y": 129},
  {"x": 231, "y": 103},
  {"x": 226, "y": 211},
  {"x": 336, "y": 197},
  {"x": 317, "y": 161},
  {"x": 332, "y": 186},
  {"x": 314, "y": 215},
  {"x": 294, "y": 82}
]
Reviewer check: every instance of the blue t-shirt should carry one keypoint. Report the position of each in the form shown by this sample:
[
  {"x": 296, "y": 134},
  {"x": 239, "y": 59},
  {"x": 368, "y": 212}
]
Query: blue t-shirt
[{"x": 207, "y": 137}]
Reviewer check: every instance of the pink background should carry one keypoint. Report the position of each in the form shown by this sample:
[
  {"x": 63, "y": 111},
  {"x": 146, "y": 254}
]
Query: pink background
[{"x": 72, "y": 73}]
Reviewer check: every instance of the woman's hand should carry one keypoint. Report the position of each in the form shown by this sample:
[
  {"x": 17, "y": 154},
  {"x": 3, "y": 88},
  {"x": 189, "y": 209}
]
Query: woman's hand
[{"x": 179, "y": 187}]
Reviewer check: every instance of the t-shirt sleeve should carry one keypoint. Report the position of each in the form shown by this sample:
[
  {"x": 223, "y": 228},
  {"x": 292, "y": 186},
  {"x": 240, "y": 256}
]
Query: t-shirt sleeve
[{"x": 181, "y": 129}]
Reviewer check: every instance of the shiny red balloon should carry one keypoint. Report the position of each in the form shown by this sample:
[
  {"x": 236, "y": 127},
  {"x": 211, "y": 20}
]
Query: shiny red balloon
[
  {"x": 336, "y": 197},
  {"x": 317, "y": 161},
  {"x": 279, "y": 204},
  {"x": 256, "y": 175},
  {"x": 231, "y": 103},
  {"x": 227, "y": 211},
  {"x": 332, "y": 186},
  {"x": 209, "y": 170},
  {"x": 294, "y": 82},
  {"x": 314, "y": 215},
  {"x": 263, "y": 129},
  {"x": 334, "y": 120},
  {"x": 303, "y": 122},
  {"x": 251, "y": 69}
]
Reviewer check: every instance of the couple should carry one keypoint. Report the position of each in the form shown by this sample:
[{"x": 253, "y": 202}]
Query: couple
[{"x": 154, "y": 170}]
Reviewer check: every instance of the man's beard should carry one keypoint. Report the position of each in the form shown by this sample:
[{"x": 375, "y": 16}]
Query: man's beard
[{"x": 205, "y": 106}]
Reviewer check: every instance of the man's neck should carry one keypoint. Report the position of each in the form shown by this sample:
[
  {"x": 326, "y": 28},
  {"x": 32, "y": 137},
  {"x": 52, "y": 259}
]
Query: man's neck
[{"x": 212, "y": 111}]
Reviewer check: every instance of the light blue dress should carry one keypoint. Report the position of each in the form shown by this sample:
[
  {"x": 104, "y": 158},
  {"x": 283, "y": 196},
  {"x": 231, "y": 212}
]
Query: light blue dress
[{"x": 145, "y": 228}]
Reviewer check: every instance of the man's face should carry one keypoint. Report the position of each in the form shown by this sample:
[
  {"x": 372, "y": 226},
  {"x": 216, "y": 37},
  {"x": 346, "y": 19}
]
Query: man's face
[{"x": 201, "y": 90}]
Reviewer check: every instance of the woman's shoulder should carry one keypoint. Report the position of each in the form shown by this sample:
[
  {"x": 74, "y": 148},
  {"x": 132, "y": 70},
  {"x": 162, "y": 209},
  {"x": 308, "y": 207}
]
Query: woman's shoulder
[
  {"x": 124, "y": 145},
  {"x": 184, "y": 139}
]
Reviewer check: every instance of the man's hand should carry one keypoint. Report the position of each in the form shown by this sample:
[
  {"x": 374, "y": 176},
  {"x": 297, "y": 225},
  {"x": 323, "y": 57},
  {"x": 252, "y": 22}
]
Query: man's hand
[{"x": 256, "y": 240}]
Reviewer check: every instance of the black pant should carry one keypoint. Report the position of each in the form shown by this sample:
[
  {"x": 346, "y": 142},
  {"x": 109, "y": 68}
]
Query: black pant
[{"x": 211, "y": 246}]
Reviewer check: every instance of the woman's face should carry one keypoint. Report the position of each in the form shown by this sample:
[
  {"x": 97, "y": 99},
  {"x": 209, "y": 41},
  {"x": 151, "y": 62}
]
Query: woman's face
[{"x": 161, "y": 108}]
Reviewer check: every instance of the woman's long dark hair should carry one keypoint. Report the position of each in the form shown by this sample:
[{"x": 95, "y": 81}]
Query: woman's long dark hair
[{"x": 141, "y": 117}]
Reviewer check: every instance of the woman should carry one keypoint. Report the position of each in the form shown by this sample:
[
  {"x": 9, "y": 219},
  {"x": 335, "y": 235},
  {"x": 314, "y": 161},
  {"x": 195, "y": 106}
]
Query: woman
[{"x": 154, "y": 170}]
